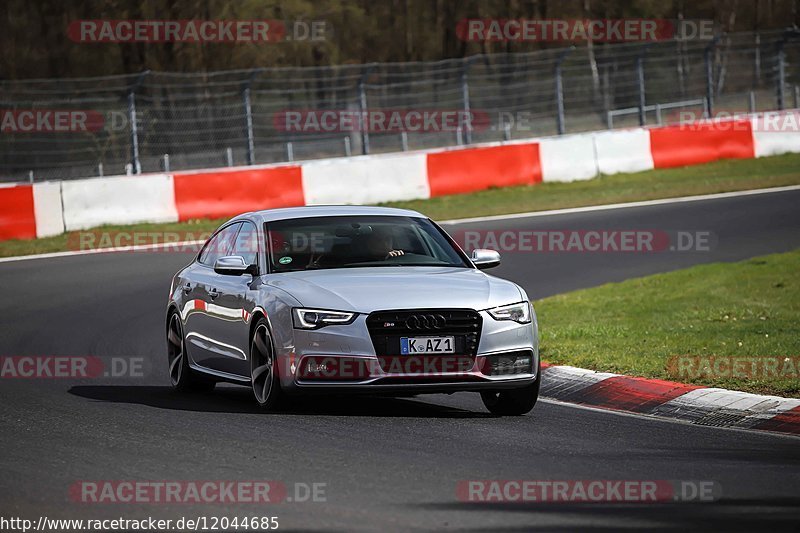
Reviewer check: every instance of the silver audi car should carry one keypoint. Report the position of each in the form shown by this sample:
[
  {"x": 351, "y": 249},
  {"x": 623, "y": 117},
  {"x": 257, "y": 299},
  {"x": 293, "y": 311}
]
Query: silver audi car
[{"x": 350, "y": 299}]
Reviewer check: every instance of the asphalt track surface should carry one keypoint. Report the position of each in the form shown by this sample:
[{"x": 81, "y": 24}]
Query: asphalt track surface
[{"x": 388, "y": 464}]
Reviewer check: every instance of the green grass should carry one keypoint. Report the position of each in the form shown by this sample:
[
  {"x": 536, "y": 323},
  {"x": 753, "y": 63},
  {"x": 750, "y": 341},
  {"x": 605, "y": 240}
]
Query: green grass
[
  {"x": 747, "y": 309},
  {"x": 723, "y": 176}
]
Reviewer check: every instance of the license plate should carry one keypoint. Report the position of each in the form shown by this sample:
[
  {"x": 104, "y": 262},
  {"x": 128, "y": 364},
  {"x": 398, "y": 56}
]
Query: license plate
[{"x": 416, "y": 345}]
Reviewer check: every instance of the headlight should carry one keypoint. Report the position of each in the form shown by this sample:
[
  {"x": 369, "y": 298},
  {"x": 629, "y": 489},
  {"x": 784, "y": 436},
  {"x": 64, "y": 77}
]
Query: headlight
[
  {"x": 319, "y": 318},
  {"x": 519, "y": 312}
]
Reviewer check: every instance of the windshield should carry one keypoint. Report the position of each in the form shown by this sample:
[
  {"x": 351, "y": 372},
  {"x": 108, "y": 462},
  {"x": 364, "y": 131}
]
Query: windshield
[{"x": 358, "y": 241}]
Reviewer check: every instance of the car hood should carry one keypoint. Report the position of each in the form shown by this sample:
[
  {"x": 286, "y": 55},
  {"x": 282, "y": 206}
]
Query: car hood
[{"x": 372, "y": 288}]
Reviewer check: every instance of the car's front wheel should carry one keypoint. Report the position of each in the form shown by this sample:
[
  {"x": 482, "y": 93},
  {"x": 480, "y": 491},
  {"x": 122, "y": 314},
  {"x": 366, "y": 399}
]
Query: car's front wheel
[
  {"x": 180, "y": 375},
  {"x": 264, "y": 375},
  {"x": 513, "y": 402}
]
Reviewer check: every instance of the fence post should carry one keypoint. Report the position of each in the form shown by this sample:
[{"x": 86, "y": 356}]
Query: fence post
[
  {"x": 136, "y": 164},
  {"x": 248, "y": 116},
  {"x": 467, "y": 123},
  {"x": 560, "y": 119},
  {"x": 710, "y": 74},
  {"x": 757, "y": 61},
  {"x": 640, "y": 82},
  {"x": 505, "y": 127},
  {"x": 134, "y": 131},
  {"x": 362, "y": 108},
  {"x": 362, "y": 117},
  {"x": 166, "y": 162}
]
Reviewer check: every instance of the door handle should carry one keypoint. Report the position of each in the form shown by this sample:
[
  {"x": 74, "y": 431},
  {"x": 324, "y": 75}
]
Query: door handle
[
  {"x": 213, "y": 293},
  {"x": 187, "y": 288}
]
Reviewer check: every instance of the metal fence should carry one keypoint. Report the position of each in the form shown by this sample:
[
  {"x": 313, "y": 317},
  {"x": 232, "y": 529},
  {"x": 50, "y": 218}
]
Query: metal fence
[{"x": 156, "y": 121}]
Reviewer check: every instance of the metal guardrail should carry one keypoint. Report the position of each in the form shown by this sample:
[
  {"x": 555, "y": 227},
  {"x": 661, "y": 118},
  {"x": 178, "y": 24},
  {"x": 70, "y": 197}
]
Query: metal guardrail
[{"x": 658, "y": 108}]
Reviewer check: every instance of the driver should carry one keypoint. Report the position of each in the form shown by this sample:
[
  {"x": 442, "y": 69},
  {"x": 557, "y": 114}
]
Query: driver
[{"x": 379, "y": 245}]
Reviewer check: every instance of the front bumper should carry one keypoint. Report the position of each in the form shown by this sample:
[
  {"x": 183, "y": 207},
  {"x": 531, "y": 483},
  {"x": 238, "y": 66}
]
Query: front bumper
[{"x": 342, "y": 358}]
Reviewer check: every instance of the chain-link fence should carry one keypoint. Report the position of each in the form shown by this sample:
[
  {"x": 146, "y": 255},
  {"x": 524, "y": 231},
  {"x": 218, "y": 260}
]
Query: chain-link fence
[{"x": 156, "y": 121}]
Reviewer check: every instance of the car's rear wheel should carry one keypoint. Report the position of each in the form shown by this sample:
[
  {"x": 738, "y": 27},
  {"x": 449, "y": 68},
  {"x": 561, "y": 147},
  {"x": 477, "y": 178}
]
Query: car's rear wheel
[
  {"x": 513, "y": 402},
  {"x": 181, "y": 376},
  {"x": 264, "y": 375}
]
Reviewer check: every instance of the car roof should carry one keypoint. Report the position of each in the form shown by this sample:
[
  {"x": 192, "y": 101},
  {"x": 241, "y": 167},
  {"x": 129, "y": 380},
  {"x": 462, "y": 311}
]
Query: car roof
[{"x": 270, "y": 215}]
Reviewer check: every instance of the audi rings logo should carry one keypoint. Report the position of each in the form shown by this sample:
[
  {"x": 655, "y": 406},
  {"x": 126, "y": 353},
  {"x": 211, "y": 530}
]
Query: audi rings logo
[{"x": 425, "y": 322}]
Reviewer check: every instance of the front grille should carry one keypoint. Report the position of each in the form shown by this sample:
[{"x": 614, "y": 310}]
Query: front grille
[{"x": 387, "y": 327}]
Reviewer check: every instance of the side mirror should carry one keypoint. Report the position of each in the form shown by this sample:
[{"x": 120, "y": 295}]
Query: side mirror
[
  {"x": 484, "y": 259},
  {"x": 233, "y": 265}
]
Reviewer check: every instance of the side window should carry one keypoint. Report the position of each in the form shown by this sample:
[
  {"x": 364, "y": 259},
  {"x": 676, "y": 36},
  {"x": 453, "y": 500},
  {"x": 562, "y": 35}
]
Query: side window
[
  {"x": 246, "y": 244},
  {"x": 219, "y": 245}
]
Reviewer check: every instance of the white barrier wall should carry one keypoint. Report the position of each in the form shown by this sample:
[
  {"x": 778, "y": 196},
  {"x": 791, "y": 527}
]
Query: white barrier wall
[
  {"x": 623, "y": 151},
  {"x": 568, "y": 158},
  {"x": 47, "y": 208},
  {"x": 366, "y": 180},
  {"x": 776, "y": 133},
  {"x": 118, "y": 200}
]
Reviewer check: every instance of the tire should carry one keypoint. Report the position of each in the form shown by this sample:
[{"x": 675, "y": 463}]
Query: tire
[
  {"x": 513, "y": 402},
  {"x": 182, "y": 377},
  {"x": 264, "y": 375}
]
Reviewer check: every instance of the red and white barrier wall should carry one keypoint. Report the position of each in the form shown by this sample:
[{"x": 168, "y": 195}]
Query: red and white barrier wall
[
  {"x": 30, "y": 211},
  {"x": 43, "y": 209}
]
